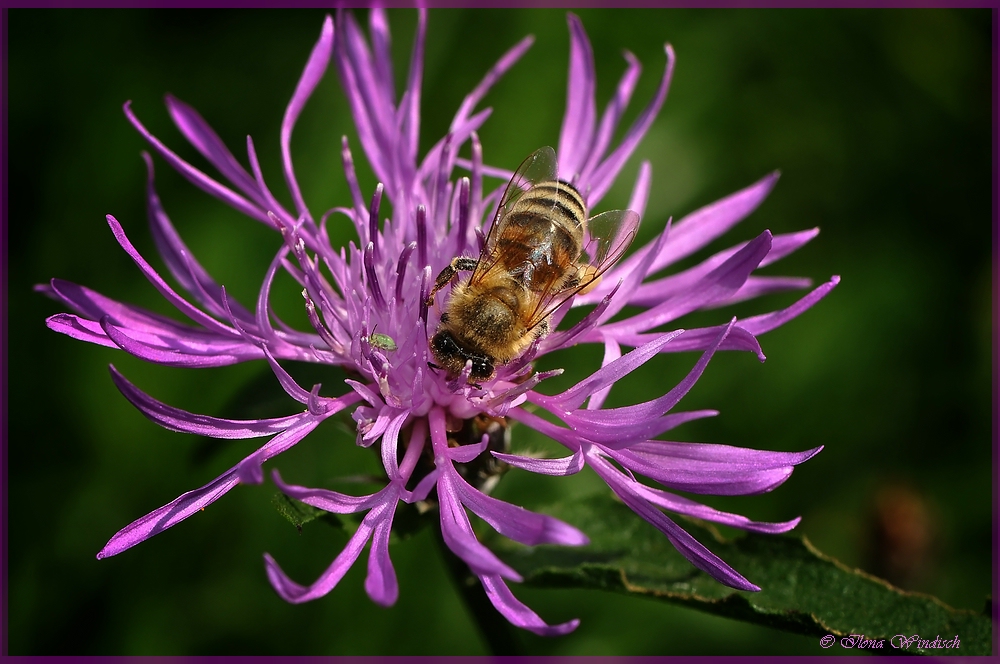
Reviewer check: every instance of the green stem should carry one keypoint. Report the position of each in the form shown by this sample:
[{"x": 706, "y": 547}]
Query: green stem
[{"x": 499, "y": 634}]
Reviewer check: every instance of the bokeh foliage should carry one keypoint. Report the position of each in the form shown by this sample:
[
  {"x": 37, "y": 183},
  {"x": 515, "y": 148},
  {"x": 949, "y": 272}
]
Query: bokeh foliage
[{"x": 879, "y": 120}]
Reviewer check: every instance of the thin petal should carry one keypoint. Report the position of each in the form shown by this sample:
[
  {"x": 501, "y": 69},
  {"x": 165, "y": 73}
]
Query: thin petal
[
  {"x": 182, "y": 305},
  {"x": 80, "y": 329},
  {"x": 516, "y": 522},
  {"x": 578, "y": 122},
  {"x": 328, "y": 580},
  {"x": 605, "y": 174},
  {"x": 251, "y": 469},
  {"x": 758, "y": 286},
  {"x": 710, "y": 469},
  {"x": 182, "y": 421},
  {"x": 565, "y": 466},
  {"x": 612, "y": 351},
  {"x": 195, "y": 176},
  {"x": 381, "y": 584},
  {"x": 702, "y": 226},
  {"x": 720, "y": 283},
  {"x": 612, "y": 114},
  {"x": 311, "y": 75},
  {"x": 619, "y": 428},
  {"x": 180, "y": 351},
  {"x": 700, "y": 338},
  {"x": 654, "y": 292},
  {"x": 207, "y": 142},
  {"x": 611, "y": 372},
  {"x": 333, "y": 501},
  {"x": 410, "y": 108},
  {"x": 506, "y": 61},
  {"x": 697, "y": 510},
  {"x": 676, "y": 453},
  {"x": 181, "y": 263},
  {"x": 688, "y": 546},
  {"x": 767, "y": 322},
  {"x": 517, "y": 613},
  {"x": 169, "y": 515},
  {"x": 458, "y": 536}
]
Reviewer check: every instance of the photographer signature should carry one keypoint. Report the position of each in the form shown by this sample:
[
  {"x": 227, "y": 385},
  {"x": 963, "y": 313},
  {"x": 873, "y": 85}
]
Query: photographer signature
[{"x": 899, "y": 641}]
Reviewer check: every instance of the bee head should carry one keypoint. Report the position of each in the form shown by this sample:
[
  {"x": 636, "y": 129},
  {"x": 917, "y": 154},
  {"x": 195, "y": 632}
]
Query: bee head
[
  {"x": 482, "y": 368},
  {"x": 452, "y": 357}
]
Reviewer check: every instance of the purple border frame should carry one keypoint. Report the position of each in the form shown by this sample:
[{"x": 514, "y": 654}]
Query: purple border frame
[{"x": 995, "y": 239}]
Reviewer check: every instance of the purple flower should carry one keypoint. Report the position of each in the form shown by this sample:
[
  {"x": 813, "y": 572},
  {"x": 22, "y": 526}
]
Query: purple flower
[{"x": 367, "y": 307}]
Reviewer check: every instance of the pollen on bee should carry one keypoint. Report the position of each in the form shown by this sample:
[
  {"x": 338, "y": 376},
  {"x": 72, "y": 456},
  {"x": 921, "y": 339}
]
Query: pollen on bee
[{"x": 587, "y": 273}]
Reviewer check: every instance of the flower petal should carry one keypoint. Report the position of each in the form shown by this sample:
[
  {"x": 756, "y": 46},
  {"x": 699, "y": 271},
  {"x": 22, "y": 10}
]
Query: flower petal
[
  {"x": 612, "y": 114},
  {"x": 80, "y": 329},
  {"x": 195, "y": 176},
  {"x": 519, "y": 614},
  {"x": 182, "y": 421},
  {"x": 710, "y": 469},
  {"x": 311, "y": 75},
  {"x": 691, "y": 508},
  {"x": 702, "y": 226},
  {"x": 169, "y": 515},
  {"x": 516, "y": 522},
  {"x": 720, "y": 283},
  {"x": 688, "y": 546},
  {"x": 193, "y": 501},
  {"x": 613, "y": 371},
  {"x": 700, "y": 338},
  {"x": 458, "y": 536},
  {"x": 333, "y": 501},
  {"x": 757, "y": 286},
  {"x": 295, "y": 594},
  {"x": 381, "y": 584},
  {"x": 182, "y": 305},
  {"x": 578, "y": 122},
  {"x": 767, "y": 322},
  {"x": 604, "y": 175},
  {"x": 180, "y": 351},
  {"x": 181, "y": 263},
  {"x": 565, "y": 466},
  {"x": 207, "y": 142}
]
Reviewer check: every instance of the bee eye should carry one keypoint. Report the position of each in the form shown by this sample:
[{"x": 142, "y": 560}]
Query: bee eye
[{"x": 482, "y": 368}]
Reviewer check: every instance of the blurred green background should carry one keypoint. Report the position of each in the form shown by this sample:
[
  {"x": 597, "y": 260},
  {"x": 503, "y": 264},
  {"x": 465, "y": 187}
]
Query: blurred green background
[{"x": 880, "y": 123}]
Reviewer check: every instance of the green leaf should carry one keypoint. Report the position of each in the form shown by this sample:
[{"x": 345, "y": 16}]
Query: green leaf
[
  {"x": 803, "y": 591},
  {"x": 298, "y": 513}
]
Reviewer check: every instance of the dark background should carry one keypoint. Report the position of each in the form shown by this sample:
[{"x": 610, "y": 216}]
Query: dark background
[{"x": 880, "y": 122}]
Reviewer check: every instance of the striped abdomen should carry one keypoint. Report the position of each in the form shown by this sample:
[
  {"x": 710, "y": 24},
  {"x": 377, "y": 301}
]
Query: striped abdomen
[{"x": 540, "y": 238}]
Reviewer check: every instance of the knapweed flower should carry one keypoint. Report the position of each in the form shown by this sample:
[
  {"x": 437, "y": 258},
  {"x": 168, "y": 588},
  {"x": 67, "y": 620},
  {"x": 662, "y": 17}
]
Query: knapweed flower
[{"x": 438, "y": 434}]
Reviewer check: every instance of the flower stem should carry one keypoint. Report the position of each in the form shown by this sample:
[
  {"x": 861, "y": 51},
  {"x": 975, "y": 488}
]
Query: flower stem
[{"x": 498, "y": 633}]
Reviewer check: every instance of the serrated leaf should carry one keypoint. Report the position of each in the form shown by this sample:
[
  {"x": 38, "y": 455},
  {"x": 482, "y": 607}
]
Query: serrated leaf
[{"x": 803, "y": 591}]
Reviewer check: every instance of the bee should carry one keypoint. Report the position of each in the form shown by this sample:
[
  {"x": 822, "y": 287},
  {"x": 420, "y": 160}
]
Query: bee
[{"x": 541, "y": 250}]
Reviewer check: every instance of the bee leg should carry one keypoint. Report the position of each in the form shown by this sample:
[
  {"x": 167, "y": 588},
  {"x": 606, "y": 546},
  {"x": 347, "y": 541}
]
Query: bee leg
[
  {"x": 459, "y": 264},
  {"x": 434, "y": 366},
  {"x": 542, "y": 329}
]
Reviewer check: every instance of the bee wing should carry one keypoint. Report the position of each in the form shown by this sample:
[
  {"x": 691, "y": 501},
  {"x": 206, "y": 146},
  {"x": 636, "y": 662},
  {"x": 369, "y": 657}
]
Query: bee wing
[
  {"x": 608, "y": 236},
  {"x": 540, "y": 166}
]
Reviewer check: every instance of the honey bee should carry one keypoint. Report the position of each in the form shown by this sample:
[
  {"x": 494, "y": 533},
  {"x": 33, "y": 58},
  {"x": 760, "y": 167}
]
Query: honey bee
[{"x": 540, "y": 251}]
